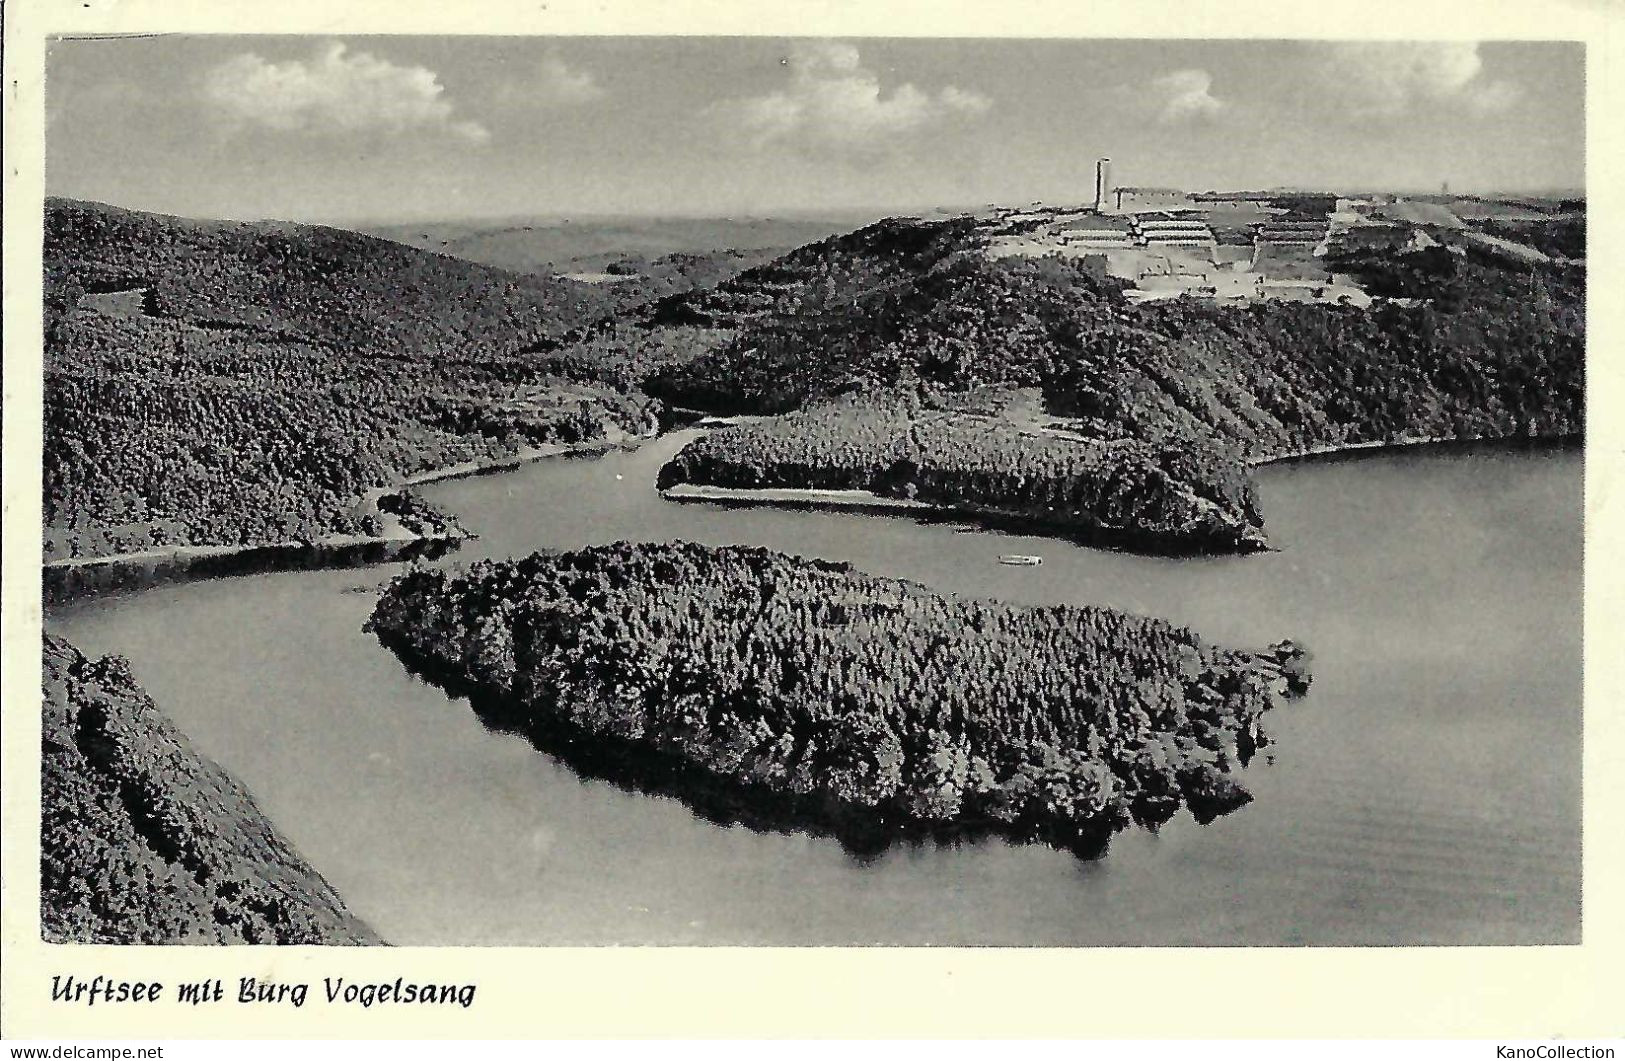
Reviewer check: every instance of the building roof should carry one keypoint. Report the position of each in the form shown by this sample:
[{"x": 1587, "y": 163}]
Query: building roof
[
  {"x": 1096, "y": 223},
  {"x": 1171, "y": 225}
]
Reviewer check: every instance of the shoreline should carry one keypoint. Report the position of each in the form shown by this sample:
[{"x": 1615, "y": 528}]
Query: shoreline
[
  {"x": 122, "y": 788},
  {"x": 1012, "y": 521},
  {"x": 528, "y": 455},
  {"x": 1355, "y": 450},
  {"x": 866, "y": 501},
  {"x": 69, "y": 579},
  {"x": 798, "y": 497},
  {"x": 75, "y": 577},
  {"x": 180, "y": 553}
]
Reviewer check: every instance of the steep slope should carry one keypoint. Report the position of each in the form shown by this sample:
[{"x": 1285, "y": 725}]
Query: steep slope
[{"x": 143, "y": 840}]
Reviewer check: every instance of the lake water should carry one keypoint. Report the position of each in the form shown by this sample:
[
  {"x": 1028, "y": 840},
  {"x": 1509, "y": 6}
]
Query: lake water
[{"x": 1426, "y": 791}]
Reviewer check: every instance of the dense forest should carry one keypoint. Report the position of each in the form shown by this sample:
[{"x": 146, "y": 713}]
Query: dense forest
[
  {"x": 639, "y": 280},
  {"x": 1123, "y": 490},
  {"x": 143, "y": 840},
  {"x": 1462, "y": 346},
  {"x": 209, "y": 383},
  {"x": 316, "y": 283},
  {"x": 841, "y": 699}
]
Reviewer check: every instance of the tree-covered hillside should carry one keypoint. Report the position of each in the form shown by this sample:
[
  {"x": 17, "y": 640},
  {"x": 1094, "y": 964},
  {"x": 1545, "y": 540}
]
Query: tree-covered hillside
[
  {"x": 143, "y": 840},
  {"x": 320, "y": 284},
  {"x": 220, "y": 383},
  {"x": 1468, "y": 347},
  {"x": 209, "y": 383},
  {"x": 1118, "y": 491}
]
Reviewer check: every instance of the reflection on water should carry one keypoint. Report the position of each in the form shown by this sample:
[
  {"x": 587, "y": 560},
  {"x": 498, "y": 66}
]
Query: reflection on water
[{"x": 1427, "y": 790}]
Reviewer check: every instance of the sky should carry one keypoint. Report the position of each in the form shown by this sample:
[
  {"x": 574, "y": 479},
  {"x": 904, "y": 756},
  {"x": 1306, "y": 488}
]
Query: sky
[{"x": 380, "y": 129}]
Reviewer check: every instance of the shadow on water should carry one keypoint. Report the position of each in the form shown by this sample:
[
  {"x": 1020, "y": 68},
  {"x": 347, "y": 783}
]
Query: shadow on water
[
  {"x": 864, "y": 833},
  {"x": 1433, "y": 447},
  {"x": 64, "y": 584},
  {"x": 1019, "y": 524}
]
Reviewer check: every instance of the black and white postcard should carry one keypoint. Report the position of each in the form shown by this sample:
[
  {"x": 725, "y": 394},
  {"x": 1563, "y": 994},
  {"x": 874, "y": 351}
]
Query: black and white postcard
[{"x": 528, "y": 500}]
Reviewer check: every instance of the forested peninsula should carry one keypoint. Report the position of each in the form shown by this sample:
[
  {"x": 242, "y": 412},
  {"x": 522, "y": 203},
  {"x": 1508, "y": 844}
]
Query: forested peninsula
[
  {"x": 904, "y": 360},
  {"x": 780, "y": 692},
  {"x": 144, "y": 840}
]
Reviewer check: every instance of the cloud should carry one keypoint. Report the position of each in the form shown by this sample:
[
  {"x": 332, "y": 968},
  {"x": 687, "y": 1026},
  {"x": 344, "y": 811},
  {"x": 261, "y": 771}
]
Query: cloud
[
  {"x": 558, "y": 82},
  {"x": 1186, "y": 95},
  {"x": 335, "y": 92},
  {"x": 555, "y": 83},
  {"x": 834, "y": 105},
  {"x": 1492, "y": 97},
  {"x": 1383, "y": 79}
]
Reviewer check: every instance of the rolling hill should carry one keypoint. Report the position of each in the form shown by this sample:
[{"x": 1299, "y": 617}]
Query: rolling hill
[
  {"x": 590, "y": 244},
  {"x": 222, "y": 384},
  {"x": 219, "y": 383}
]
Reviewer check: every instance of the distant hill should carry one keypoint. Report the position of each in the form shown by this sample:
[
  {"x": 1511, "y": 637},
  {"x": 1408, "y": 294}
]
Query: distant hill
[
  {"x": 321, "y": 284},
  {"x": 629, "y": 261},
  {"x": 1417, "y": 212},
  {"x": 556, "y": 245}
]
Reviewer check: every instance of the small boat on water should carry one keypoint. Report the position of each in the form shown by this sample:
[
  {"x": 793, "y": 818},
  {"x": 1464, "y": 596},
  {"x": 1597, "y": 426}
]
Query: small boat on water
[{"x": 1020, "y": 560}]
